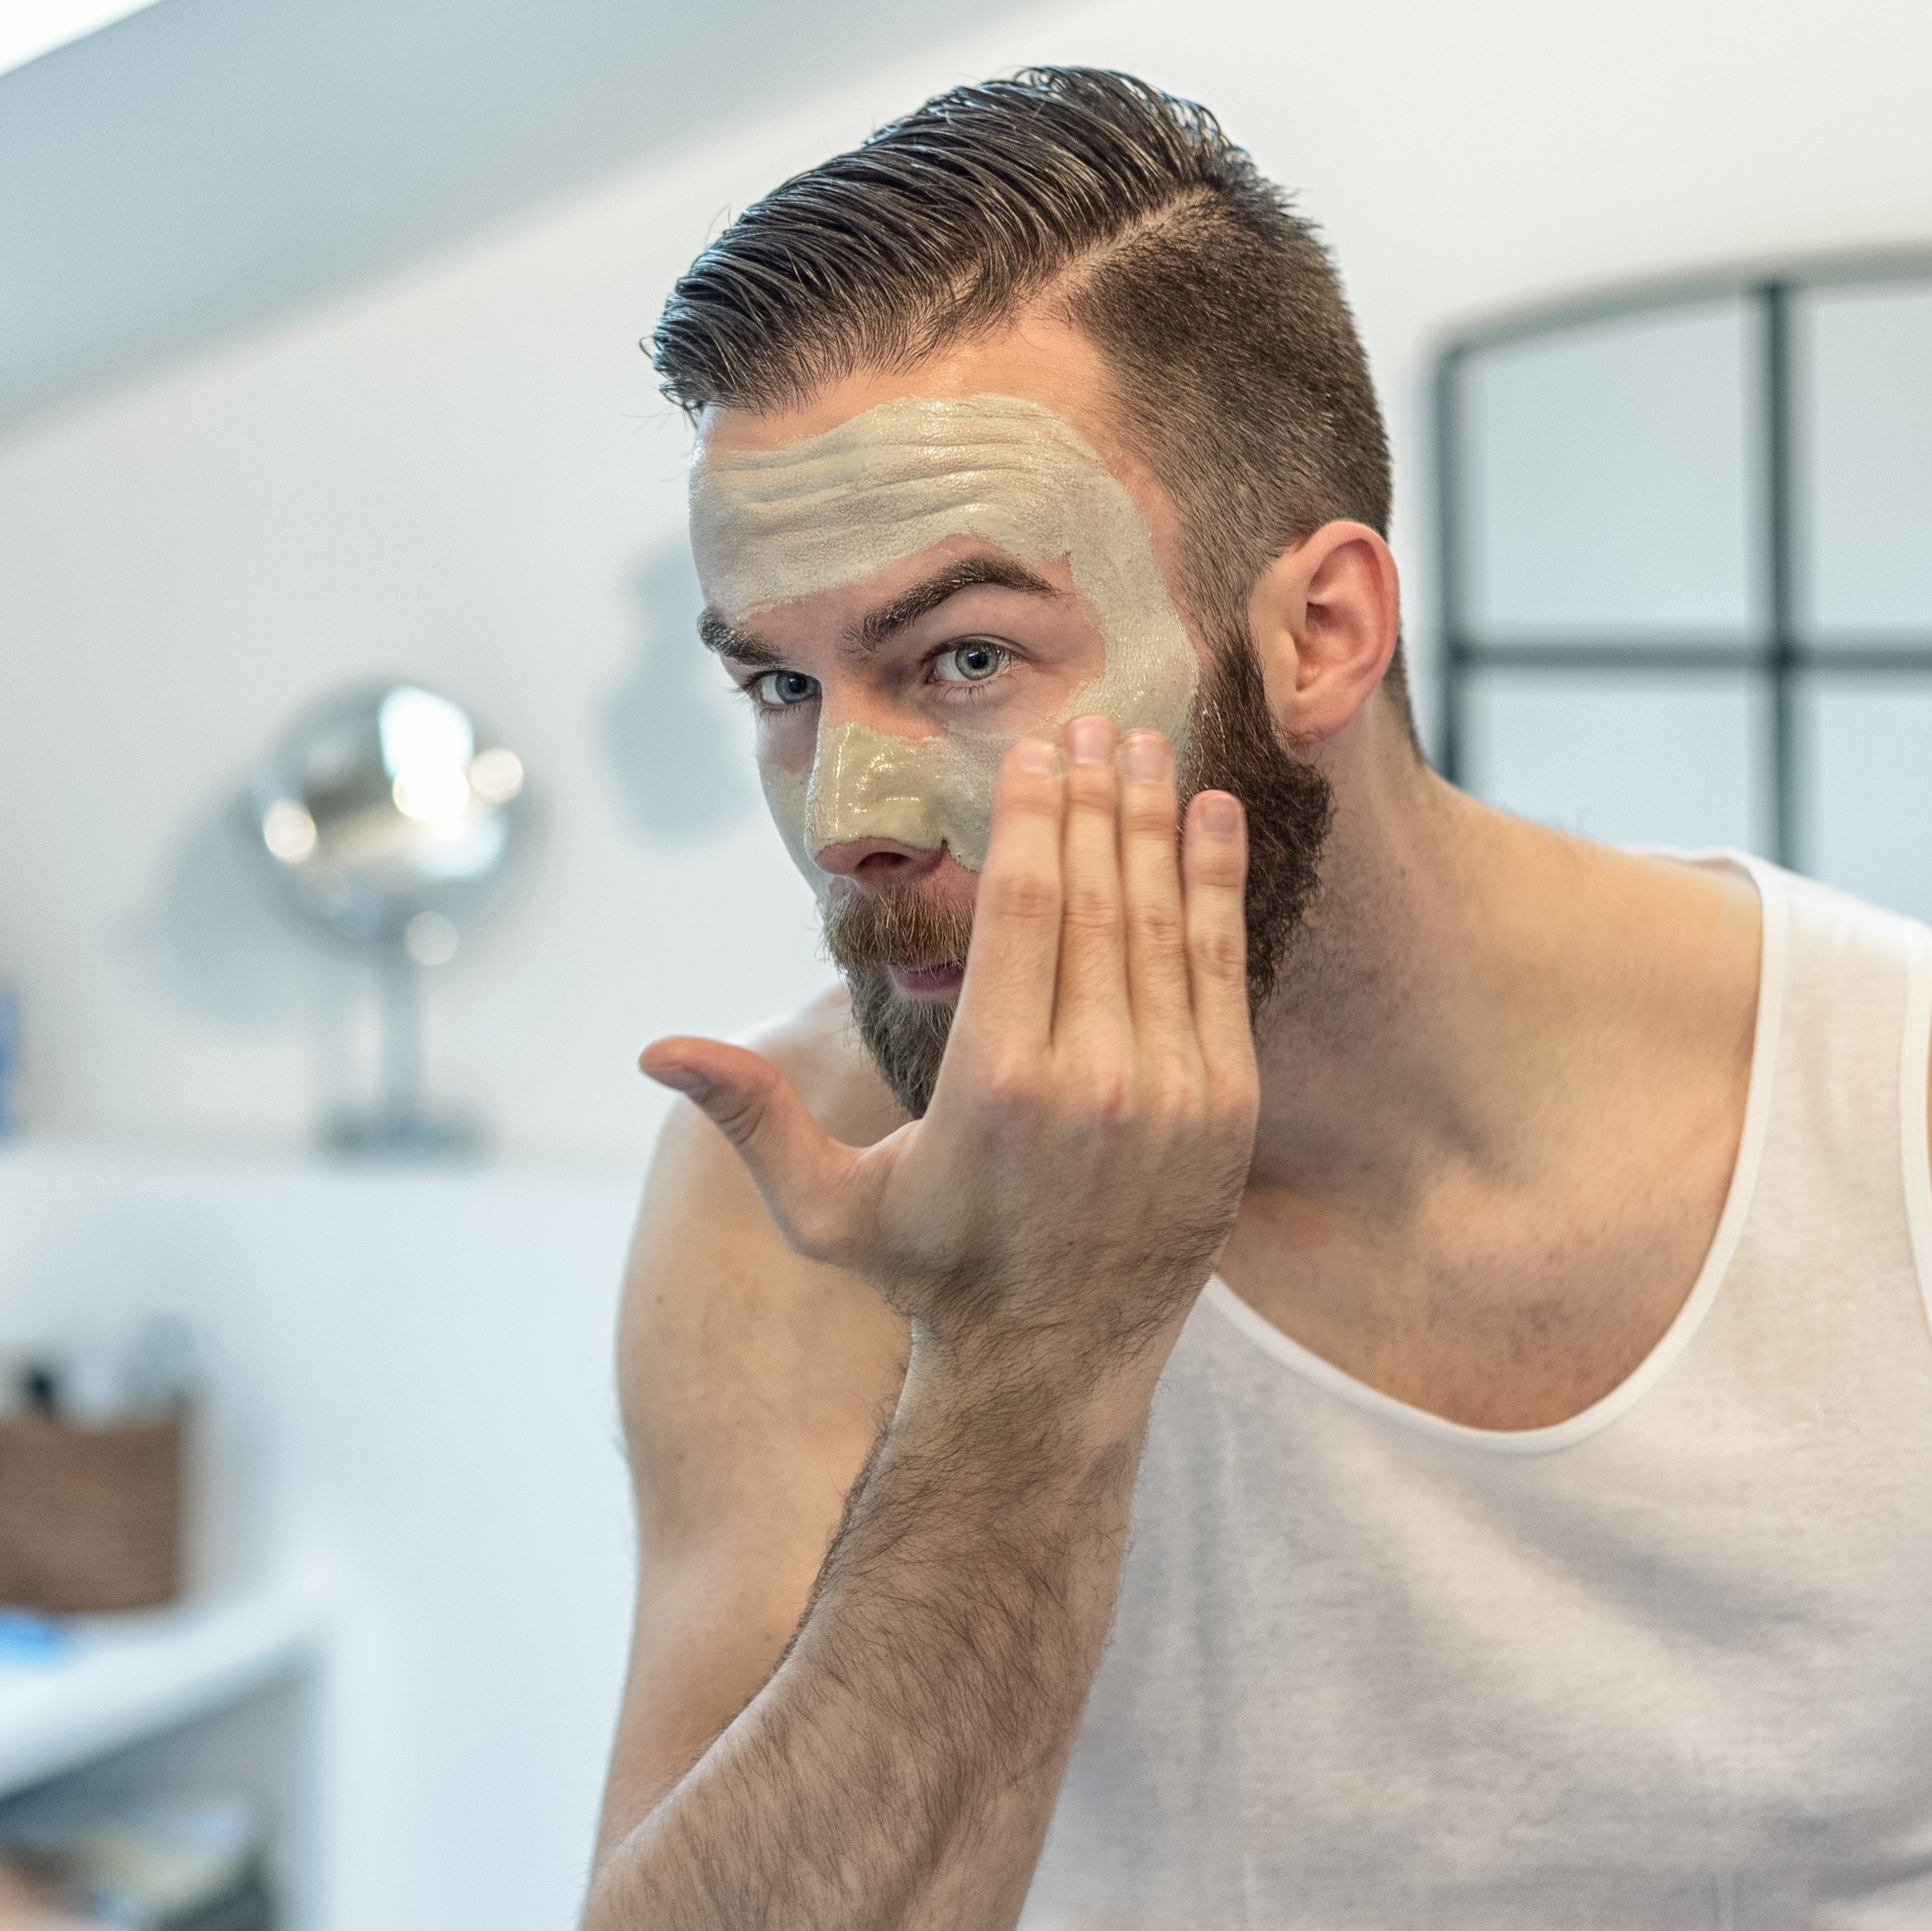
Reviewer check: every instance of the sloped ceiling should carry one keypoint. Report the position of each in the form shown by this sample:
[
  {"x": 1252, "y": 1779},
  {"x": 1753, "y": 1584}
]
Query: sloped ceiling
[{"x": 206, "y": 165}]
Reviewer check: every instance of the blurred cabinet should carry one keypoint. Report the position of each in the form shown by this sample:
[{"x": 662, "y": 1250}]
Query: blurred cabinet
[
  {"x": 175, "y": 1713},
  {"x": 1686, "y": 547}
]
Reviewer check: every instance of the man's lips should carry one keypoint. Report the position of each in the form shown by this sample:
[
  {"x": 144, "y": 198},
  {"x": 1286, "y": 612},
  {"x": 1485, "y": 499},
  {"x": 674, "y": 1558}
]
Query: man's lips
[{"x": 928, "y": 982}]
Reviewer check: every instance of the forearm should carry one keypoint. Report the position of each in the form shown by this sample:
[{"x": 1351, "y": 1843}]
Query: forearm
[{"x": 899, "y": 1768}]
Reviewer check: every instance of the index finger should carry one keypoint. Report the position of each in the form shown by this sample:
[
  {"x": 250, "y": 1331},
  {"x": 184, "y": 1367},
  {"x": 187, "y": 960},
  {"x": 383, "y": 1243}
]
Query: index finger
[{"x": 1013, "y": 962}]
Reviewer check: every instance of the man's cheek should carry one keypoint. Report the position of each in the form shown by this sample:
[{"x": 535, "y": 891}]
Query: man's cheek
[{"x": 786, "y": 795}]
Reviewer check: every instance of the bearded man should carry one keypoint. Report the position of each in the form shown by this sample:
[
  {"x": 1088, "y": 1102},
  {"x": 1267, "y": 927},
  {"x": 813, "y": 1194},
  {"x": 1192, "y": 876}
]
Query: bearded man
[{"x": 1483, "y": 1269}]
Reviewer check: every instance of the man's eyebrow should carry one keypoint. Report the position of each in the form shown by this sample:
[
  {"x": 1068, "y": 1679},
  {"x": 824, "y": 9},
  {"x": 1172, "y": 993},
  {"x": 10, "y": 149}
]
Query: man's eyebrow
[
  {"x": 879, "y": 626},
  {"x": 740, "y": 646}
]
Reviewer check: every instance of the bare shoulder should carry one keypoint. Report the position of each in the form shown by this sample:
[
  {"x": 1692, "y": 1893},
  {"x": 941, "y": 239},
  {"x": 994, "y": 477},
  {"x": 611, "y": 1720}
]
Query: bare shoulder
[{"x": 731, "y": 1350}]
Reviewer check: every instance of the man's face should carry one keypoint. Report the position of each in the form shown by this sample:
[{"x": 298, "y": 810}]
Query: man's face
[{"x": 905, "y": 576}]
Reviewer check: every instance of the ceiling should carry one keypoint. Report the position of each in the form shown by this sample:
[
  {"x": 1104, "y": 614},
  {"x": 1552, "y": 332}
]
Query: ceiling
[
  {"x": 31, "y": 27},
  {"x": 203, "y": 167}
]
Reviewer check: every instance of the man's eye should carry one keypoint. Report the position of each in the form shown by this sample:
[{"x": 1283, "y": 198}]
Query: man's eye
[
  {"x": 971, "y": 663},
  {"x": 779, "y": 689}
]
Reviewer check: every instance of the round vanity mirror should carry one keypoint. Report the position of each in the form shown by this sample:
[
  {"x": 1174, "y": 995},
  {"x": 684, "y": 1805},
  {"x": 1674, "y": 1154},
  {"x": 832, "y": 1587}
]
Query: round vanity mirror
[{"x": 388, "y": 821}]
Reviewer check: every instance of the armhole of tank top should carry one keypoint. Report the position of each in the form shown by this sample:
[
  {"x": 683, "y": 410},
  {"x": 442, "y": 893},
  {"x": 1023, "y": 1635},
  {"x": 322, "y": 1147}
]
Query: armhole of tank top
[{"x": 1915, "y": 1093}]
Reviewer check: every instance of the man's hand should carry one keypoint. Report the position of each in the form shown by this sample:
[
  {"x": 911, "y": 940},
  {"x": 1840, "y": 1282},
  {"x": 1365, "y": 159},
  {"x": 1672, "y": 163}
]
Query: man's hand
[
  {"x": 1081, "y": 1165},
  {"x": 1047, "y": 1226}
]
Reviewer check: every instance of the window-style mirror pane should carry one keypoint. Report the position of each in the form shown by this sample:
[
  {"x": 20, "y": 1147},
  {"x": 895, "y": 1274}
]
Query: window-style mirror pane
[
  {"x": 1608, "y": 475},
  {"x": 1865, "y": 430},
  {"x": 1867, "y": 764},
  {"x": 1639, "y": 760}
]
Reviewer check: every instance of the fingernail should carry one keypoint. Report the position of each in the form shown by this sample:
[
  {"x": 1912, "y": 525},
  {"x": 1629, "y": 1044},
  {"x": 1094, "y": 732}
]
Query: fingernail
[
  {"x": 1035, "y": 754},
  {"x": 1220, "y": 815},
  {"x": 1090, "y": 741},
  {"x": 1147, "y": 758},
  {"x": 680, "y": 1078}
]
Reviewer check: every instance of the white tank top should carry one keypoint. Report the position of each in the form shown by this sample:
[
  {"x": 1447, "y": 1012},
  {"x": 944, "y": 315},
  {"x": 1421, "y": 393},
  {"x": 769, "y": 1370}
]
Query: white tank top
[{"x": 1666, "y": 1666}]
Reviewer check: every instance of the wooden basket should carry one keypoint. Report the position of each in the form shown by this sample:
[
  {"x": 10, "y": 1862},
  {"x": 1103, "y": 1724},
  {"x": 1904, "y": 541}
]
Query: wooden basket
[{"x": 91, "y": 1516}]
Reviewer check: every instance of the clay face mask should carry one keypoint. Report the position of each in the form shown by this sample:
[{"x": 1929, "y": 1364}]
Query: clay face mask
[{"x": 768, "y": 526}]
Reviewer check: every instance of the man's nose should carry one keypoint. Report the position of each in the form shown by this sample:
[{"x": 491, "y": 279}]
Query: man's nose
[
  {"x": 872, "y": 804},
  {"x": 879, "y": 864}
]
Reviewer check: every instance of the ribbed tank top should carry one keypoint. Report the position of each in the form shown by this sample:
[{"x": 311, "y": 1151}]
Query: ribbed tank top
[{"x": 1665, "y": 1666}]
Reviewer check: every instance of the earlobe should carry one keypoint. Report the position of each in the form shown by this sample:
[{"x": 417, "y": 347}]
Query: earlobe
[{"x": 1325, "y": 617}]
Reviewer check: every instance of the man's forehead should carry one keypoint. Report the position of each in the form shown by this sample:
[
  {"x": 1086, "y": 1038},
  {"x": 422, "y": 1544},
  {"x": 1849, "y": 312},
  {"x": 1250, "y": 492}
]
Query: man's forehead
[{"x": 776, "y": 524}]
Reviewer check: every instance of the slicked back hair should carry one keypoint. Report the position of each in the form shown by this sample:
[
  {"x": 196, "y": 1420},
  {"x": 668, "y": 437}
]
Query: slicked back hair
[{"x": 1237, "y": 374}]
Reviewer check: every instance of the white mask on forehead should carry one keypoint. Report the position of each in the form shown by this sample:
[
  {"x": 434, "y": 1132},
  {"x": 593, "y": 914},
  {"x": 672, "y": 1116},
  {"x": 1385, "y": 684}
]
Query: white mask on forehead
[{"x": 768, "y": 526}]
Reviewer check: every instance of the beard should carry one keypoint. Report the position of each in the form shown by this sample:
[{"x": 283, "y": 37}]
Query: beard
[{"x": 1232, "y": 746}]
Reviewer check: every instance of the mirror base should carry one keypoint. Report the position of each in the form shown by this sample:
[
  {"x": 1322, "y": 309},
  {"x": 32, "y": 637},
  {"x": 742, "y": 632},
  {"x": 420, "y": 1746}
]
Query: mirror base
[{"x": 404, "y": 1134}]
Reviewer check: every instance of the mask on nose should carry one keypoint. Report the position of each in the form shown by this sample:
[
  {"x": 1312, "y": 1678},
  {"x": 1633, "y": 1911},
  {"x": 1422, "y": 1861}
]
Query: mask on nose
[
  {"x": 769, "y": 526},
  {"x": 921, "y": 791}
]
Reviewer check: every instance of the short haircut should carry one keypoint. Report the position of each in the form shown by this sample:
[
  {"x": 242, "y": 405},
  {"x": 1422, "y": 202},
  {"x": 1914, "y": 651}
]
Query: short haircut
[{"x": 1237, "y": 375}]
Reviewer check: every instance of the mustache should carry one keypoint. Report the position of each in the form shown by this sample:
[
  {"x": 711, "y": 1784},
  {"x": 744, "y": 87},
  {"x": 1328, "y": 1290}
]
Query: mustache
[{"x": 866, "y": 931}]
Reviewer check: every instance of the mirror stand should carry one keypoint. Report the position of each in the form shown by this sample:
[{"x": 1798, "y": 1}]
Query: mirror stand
[{"x": 401, "y": 1125}]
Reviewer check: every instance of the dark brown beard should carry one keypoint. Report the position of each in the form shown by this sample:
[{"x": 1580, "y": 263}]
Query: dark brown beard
[
  {"x": 1232, "y": 747},
  {"x": 867, "y": 934}
]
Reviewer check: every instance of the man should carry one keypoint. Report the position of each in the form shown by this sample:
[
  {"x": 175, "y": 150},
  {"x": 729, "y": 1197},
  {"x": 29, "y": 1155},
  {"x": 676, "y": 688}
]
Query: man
[{"x": 1484, "y": 1267}]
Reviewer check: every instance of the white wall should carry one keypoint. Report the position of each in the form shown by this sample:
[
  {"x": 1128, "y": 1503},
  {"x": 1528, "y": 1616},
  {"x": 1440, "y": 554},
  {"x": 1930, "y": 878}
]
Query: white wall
[{"x": 465, "y": 474}]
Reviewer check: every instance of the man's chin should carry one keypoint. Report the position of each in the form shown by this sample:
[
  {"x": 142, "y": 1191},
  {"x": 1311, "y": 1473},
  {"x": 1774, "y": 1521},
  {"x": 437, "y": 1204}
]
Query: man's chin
[{"x": 904, "y": 1033}]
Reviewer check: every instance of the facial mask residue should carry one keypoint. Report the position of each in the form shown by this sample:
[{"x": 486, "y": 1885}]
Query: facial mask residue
[{"x": 768, "y": 526}]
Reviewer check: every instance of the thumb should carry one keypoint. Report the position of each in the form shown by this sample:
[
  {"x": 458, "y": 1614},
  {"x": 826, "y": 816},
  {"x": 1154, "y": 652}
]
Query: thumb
[{"x": 807, "y": 1178}]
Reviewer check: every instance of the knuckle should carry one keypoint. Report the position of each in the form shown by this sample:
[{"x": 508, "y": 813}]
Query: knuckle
[
  {"x": 1178, "y": 1096},
  {"x": 829, "y": 1242},
  {"x": 1091, "y": 787},
  {"x": 1025, "y": 895},
  {"x": 1107, "y": 1095},
  {"x": 1146, "y": 816},
  {"x": 1029, "y": 794},
  {"x": 1215, "y": 867},
  {"x": 810, "y": 1231},
  {"x": 1160, "y": 924},
  {"x": 1217, "y": 952},
  {"x": 1010, "y": 1086},
  {"x": 1092, "y": 909},
  {"x": 1234, "y": 1101},
  {"x": 739, "y": 1114}
]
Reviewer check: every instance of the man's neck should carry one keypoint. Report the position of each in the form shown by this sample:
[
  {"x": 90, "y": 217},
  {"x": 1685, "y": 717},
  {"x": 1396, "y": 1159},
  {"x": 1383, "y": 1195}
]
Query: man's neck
[
  {"x": 1490, "y": 1036},
  {"x": 1380, "y": 1052}
]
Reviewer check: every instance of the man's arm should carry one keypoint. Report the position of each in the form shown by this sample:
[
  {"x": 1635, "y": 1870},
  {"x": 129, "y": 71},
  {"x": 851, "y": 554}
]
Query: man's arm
[
  {"x": 1045, "y": 1228},
  {"x": 753, "y": 1384}
]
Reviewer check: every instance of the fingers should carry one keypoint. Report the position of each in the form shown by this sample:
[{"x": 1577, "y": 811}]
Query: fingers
[
  {"x": 1214, "y": 866},
  {"x": 1011, "y": 967},
  {"x": 1093, "y": 975},
  {"x": 808, "y": 1179},
  {"x": 1157, "y": 985}
]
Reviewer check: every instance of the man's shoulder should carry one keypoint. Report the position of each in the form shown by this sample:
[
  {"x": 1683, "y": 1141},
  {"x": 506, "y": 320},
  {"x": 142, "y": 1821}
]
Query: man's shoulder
[{"x": 736, "y": 1356}]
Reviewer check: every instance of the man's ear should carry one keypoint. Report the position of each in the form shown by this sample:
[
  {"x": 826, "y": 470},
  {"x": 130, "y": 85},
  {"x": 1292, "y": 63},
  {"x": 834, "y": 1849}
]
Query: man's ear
[{"x": 1325, "y": 617}]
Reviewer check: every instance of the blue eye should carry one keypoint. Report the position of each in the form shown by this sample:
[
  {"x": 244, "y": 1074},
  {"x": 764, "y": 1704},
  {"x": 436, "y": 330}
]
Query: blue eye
[
  {"x": 971, "y": 662},
  {"x": 782, "y": 689}
]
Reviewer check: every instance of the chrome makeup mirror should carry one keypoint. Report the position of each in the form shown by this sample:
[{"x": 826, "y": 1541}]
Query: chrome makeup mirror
[{"x": 387, "y": 822}]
